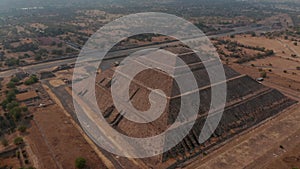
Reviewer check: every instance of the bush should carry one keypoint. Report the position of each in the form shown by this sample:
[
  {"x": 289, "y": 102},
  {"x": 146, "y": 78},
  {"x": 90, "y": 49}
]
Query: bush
[
  {"x": 15, "y": 80},
  {"x": 24, "y": 109},
  {"x": 59, "y": 45},
  {"x": 18, "y": 141},
  {"x": 11, "y": 95},
  {"x": 4, "y": 104},
  {"x": 22, "y": 129},
  {"x": 263, "y": 74},
  {"x": 32, "y": 79},
  {"x": 11, "y": 85},
  {"x": 4, "y": 142},
  {"x": 269, "y": 52},
  {"x": 57, "y": 52},
  {"x": 12, "y": 105},
  {"x": 16, "y": 113},
  {"x": 26, "y": 161},
  {"x": 38, "y": 57},
  {"x": 80, "y": 163}
]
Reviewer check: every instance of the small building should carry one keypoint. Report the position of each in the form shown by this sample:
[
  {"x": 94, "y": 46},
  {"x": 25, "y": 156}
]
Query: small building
[{"x": 28, "y": 97}]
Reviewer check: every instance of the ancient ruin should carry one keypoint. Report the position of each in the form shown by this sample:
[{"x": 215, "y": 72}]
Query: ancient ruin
[{"x": 248, "y": 104}]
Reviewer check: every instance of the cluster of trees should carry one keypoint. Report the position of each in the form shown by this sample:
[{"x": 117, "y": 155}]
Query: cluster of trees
[
  {"x": 40, "y": 53},
  {"x": 13, "y": 107},
  {"x": 235, "y": 48},
  {"x": 12, "y": 62},
  {"x": 10, "y": 104},
  {"x": 13, "y": 110},
  {"x": 24, "y": 47},
  {"x": 257, "y": 56},
  {"x": 232, "y": 46}
]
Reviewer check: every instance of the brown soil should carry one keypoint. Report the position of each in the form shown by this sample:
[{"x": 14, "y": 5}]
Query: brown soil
[{"x": 56, "y": 142}]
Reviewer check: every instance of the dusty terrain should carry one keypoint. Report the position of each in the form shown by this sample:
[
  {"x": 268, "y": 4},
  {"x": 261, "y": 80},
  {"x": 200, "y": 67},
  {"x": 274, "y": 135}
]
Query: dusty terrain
[{"x": 56, "y": 142}]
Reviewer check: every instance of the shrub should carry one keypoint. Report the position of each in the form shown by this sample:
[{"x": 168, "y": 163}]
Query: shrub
[
  {"x": 16, "y": 113},
  {"x": 32, "y": 79},
  {"x": 11, "y": 95},
  {"x": 293, "y": 55},
  {"x": 18, "y": 141},
  {"x": 38, "y": 57},
  {"x": 15, "y": 80},
  {"x": 22, "y": 129},
  {"x": 4, "y": 142},
  {"x": 80, "y": 163},
  {"x": 263, "y": 74},
  {"x": 11, "y": 85},
  {"x": 12, "y": 105},
  {"x": 4, "y": 104}
]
